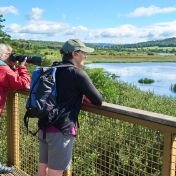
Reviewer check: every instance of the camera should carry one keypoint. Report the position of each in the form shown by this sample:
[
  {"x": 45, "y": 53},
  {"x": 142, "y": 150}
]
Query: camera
[{"x": 36, "y": 60}]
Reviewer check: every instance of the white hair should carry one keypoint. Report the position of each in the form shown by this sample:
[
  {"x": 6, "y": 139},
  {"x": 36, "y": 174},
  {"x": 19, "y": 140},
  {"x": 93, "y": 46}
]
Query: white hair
[{"x": 5, "y": 48}]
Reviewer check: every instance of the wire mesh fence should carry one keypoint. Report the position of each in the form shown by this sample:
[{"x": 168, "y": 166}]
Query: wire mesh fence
[
  {"x": 108, "y": 147},
  {"x": 104, "y": 147},
  {"x": 3, "y": 137},
  {"x": 29, "y": 147}
]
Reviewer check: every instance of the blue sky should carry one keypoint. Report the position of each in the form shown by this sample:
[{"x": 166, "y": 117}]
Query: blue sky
[{"x": 112, "y": 21}]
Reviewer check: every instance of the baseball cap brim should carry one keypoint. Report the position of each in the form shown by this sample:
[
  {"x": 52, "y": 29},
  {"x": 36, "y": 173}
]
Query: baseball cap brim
[{"x": 87, "y": 49}]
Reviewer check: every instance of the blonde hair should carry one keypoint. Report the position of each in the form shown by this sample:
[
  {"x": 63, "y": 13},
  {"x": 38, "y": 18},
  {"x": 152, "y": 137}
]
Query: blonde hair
[{"x": 5, "y": 48}]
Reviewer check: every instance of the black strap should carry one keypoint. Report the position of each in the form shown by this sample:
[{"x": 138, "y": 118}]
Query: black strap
[
  {"x": 44, "y": 133},
  {"x": 26, "y": 122}
]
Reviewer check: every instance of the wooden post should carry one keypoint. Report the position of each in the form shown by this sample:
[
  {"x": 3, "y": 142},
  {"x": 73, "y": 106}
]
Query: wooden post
[
  {"x": 173, "y": 156},
  {"x": 13, "y": 129},
  {"x": 169, "y": 155}
]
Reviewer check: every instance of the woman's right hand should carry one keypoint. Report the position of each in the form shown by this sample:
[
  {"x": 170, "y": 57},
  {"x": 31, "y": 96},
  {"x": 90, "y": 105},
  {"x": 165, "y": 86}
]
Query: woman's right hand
[{"x": 24, "y": 62}]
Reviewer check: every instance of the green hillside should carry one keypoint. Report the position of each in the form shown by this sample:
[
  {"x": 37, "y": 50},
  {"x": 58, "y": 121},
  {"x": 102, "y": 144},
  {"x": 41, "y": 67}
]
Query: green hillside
[{"x": 169, "y": 42}]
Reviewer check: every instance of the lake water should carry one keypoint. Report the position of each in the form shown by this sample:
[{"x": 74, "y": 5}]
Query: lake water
[{"x": 164, "y": 74}]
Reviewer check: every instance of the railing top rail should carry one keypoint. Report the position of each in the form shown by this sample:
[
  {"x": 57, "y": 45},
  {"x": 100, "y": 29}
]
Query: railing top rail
[
  {"x": 136, "y": 113},
  {"x": 130, "y": 112}
]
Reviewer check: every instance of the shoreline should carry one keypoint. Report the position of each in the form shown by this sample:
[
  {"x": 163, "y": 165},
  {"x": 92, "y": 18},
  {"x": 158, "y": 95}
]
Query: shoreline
[{"x": 129, "y": 59}]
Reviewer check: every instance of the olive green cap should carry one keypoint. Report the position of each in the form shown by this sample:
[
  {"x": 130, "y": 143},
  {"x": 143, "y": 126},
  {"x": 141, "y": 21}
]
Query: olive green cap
[{"x": 75, "y": 45}]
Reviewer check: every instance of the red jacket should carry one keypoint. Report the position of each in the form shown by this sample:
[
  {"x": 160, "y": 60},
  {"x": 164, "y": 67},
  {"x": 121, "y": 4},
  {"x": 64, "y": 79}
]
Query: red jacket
[{"x": 12, "y": 80}]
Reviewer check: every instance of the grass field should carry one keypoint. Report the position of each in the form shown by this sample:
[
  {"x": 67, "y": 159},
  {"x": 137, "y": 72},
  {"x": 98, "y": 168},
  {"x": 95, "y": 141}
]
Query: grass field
[
  {"x": 128, "y": 58},
  {"x": 54, "y": 55},
  {"x": 105, "y": 58}
]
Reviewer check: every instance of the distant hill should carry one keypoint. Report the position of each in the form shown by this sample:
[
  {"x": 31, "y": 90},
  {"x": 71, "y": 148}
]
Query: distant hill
[
  {"x": 169, "y": 42},
  {"x": 29, "y": 44}
]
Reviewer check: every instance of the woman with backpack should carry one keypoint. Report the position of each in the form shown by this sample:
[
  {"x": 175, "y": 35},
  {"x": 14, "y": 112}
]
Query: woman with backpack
[{"x": 72, "y": 85}]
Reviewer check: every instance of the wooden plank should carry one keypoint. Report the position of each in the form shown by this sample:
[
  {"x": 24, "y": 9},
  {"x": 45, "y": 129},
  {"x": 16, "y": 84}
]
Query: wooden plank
[
  {"x": 13, "y": 130},
  {"x": 16, "y": 172},
  {"x": 132, "y": 113},
  {"x": 173, "y": 156},
  {"x": 167, "y": 154}
]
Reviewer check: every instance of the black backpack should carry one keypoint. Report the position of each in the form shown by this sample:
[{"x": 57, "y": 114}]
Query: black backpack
[{"x": 41, "y": 102}]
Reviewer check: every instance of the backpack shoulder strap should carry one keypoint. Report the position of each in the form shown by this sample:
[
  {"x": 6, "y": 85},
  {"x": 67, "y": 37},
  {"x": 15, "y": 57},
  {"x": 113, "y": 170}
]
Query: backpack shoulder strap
[{"x": 64, "y": 65}]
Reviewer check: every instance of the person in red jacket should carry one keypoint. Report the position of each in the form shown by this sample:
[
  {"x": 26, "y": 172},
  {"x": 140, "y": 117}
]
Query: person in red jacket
[{"x": 12, "y": 77}]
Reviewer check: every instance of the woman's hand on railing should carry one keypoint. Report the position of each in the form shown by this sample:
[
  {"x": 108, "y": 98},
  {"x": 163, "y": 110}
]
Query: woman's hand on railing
[{"x": 86, "y": 100}]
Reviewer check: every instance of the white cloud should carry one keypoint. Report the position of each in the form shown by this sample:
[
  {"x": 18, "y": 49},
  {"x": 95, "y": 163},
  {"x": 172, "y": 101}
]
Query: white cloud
[
  {"x": 14, "y": 28},
  {"x": 151, "y": 10},
  {"x": 36, "y": 28},
  {"x": 35, "y": 14},
  {"x": 53, "y": 30},
  {"x": 8, "y": 9},
  {"x": 120, "y": 31},
  {"x": 46, "y": 30},
  {"x": 161, "y": 30},
  {"x": 132, "y": 34}
]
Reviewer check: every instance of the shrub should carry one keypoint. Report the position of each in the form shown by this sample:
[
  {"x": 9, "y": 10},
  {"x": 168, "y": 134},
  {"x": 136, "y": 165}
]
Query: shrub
[
  {"x": 146, "y": 81},
  {"x": 173, "y": 88},
  {"x": 150, "y": 53}
]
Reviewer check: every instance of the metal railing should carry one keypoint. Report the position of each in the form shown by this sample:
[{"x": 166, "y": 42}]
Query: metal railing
[{"x": 113, "y": 140}]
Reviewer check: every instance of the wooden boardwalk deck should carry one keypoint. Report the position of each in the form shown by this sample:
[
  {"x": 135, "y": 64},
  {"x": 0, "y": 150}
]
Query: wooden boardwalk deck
[{"x": 16, "y": 172}]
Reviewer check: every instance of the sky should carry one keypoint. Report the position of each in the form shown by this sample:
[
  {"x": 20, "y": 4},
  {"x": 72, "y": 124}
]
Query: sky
[{"x": 92, "y": 21}]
